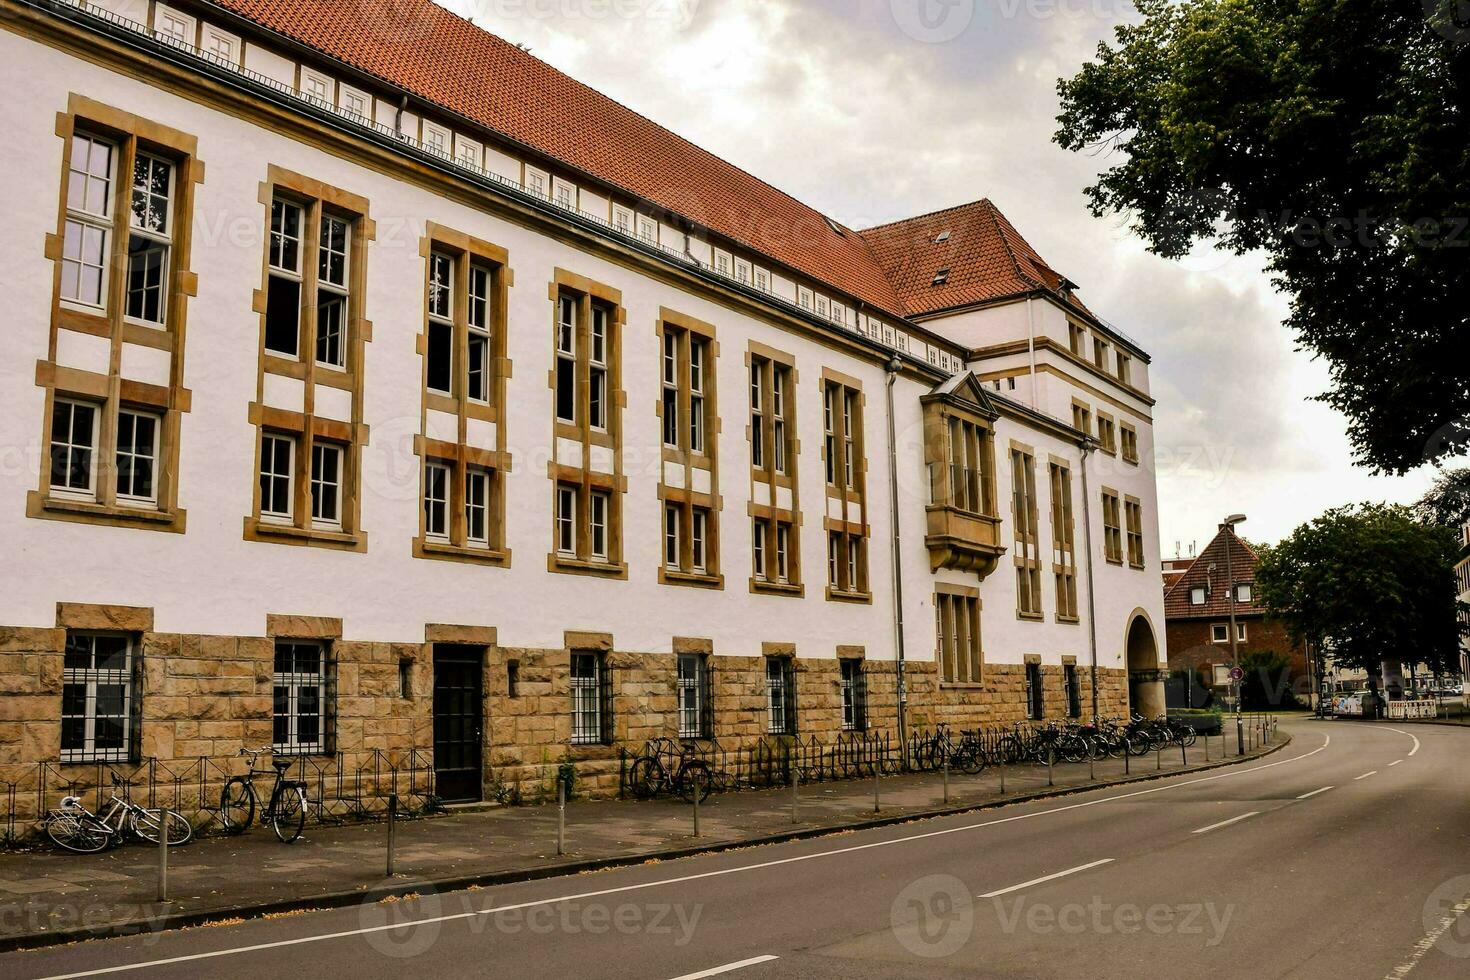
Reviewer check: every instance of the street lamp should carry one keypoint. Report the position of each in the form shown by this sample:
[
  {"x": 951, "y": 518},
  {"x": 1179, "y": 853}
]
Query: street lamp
[{"x": 1228, "y": 526}]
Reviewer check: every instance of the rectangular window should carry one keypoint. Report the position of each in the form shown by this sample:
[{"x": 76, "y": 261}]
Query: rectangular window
[
  {"x": 137, "y": 457},
  {"x": 1130, "y": 442},
  {"x": 1197, "y": 595},
  {"x": 1133, "y": 514},
  {"x": 971, "y": 468},
  {"x": 283, "y": 285},
  {"x": 597, "y": 361},
  {"x": 1082, "y": 417},
  {"x": 88, "y": 227},
  {"x": 780, "y": 381},
  {"x": 758, "y": 530},
  {"x": 780, "y": 696},
  {"x": 300, "y": 699},
  {"x": 73, "y": 448},
  {"x": 477, "y": 355},
  {"x": 277, "y": 476},
  {"x": 829, "y": 433},
  {"x": 440, "y": 359},
  {"x": 673, "y": 544},
  {"x": 698, "y": 541},
  {"x": 98, "y": 698},
  {"x": 1076, "y": 338},
  {"x": 477, "y": 507},
  {"x": 783, "y": 552},
  {"x": 149, "y": 239},
  {"x": 695, "y": 714},
  {"x": 854, "y": 696},
  {"x": 1112, "y": 526},
  {"x": 1035, "y": 693},
  {"x": 1243, "y": 591},
  {"x": 957, "y": 622},
  {"x": 331, "y": 316},
  {"x": 1125, "y": 368},
  {"x": 601, "y": 502},
  {"x": 1064, "y": 556},
  {"x": 1074, "y": 691},
  {"x": 1024, "y": 514},
  {"x": 697, "y": 352},
  {"x": 1220, "y": 632},
  {"x": 566, "y": 360},
  {"x": 684, "y": 378},
  {"x": 670, "y": 386},
  {"x": 591, "y": 700},
  {"x": 326, "y": 485},
  {"x": 436, "y": 501},
  {"x": 757, "y": 414},
  {"x": 566, "y": 520}
]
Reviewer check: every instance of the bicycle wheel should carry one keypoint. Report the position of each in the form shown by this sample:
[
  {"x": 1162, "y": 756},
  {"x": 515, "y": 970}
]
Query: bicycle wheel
[
  {"x": 645, "y": 778},
  {"x": 694, "y": 777},
  {"x": 1188, "y": 735},
  {"x": 288, "y": 813},
  {"x": 970, "y": 760},
  {"x": 1072, "y": 749},
  {"x": 144, "y": 824},
  {"x": 236, "y": 805},
  {"x": 79, "y": 833}
]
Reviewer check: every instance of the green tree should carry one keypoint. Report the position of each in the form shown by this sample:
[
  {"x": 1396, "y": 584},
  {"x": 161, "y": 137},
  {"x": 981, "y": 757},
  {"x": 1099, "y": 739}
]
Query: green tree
[
  {"x": 1372, "y": 581},
  {"x": 1447, "y": 502},
  {"x": 1330, "y": 136}
]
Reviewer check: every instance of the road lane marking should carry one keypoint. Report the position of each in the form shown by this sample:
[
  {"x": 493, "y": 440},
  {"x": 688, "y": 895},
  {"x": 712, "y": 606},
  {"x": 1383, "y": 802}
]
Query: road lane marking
[
  {"x": 698, "y": 876},
  {"x": 1308, "y": 796},
  {"x": 1226, "y": 823},
  {"x": 715, "y": 971},
  {"x": 1431, "y": 938},
  {"x": 1410, "y": 734},
  {"x": 1045, "y": 878},
  {"x": 1370, "y": 772},
  {"x": 1394, "y": 763}
]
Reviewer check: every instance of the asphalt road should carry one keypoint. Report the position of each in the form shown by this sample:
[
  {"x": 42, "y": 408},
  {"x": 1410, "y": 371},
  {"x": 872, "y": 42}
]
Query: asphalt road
[{"x": 1345, "y": 855}]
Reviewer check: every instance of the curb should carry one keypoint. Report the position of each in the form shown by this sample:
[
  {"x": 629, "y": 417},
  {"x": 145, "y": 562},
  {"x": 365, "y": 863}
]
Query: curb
[{"x": 342, "y": 899}]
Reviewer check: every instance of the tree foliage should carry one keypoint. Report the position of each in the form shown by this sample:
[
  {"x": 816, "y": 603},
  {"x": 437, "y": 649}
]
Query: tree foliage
[
  {"x": 1332, "y": 136},
  {"x": 1447, "y": 503},
  {"x": 1371, "y": 581}
]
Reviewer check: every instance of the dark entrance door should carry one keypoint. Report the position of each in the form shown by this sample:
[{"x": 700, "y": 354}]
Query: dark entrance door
[{"x": 458, "y": 723}]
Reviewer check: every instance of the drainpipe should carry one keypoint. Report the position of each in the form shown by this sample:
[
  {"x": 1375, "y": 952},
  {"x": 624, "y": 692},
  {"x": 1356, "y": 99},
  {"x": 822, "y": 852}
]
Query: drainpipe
[
  {"x": 1031, "y": 347},
  {"x": 1088, "y": 444},
  {"x": 893, "y": 367},
  {"x": 398, "y": 116}
]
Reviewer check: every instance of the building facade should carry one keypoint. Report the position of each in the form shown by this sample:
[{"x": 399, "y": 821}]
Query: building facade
[{"x": 364, "y": 405}]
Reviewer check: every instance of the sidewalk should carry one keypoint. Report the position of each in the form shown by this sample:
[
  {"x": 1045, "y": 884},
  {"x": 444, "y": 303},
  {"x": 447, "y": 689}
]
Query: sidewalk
[{"x": 49, "y": 897}]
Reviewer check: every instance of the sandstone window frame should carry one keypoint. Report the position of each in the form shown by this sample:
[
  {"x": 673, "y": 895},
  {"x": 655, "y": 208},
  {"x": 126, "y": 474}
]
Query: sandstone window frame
[
  {"x": 1025, "y": 517},
  {"x": 128, "y": 136},
  {"x": 294, "y": 683},
  {"x": 589, "y": 683},
  {"x": 1035, "y": 691},
  {"x": 1082, "y": 416},
  {"x": 87, "y": 683},
  {"x": 688, "y": 411},
  {"x": 1064, "y": 540},
  {"x": 959, "y": 652},
  {"x": 1112, "y": 518},
  {"x": 574, "y": 470},
  {"x": 1107, "y": 433},
  {"x": 845, "y": 464},
  {"x": 466, "y": 297},
  {"x": 1133, "y": 520},
  {"x": 780, "y": 683},
  {"x": 1072, "y": 690},
  {"x": 1128, "y": 438},
  {"x": 773, "y": 381},
  {"x": 853, "y": 688},
  {"x": 695, "y": 702},
  {"x": 318, "y": 202}
]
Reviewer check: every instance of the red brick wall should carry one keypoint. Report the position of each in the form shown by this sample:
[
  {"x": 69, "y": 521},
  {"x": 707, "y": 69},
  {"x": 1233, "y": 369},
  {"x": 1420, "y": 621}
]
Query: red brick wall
[{"x": 1190, "y": 646}]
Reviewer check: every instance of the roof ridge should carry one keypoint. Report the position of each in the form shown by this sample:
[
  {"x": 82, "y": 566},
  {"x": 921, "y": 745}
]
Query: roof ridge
[
  {"x": 927, "y": 214},
  {"x": 994, "y": 213}
]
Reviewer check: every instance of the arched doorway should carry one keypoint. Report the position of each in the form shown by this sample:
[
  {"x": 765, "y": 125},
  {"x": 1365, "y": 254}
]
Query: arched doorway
[{"x": 1145, "y": 673}]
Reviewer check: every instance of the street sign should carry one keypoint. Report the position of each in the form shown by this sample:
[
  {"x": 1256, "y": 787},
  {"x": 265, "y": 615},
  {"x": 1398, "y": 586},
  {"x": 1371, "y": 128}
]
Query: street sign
[{"x": 1236, "y": 673}]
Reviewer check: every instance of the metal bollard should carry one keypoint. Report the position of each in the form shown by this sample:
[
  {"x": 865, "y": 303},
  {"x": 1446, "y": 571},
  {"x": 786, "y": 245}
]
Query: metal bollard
[
  {"x": 946, "y": 780},
  {"x": 794, "y": 796},
  {"x": 162, "y": 855},
  {"x": 1207, "y": 746},
  {"x": 875, "y": 788},
  {"x": 392, "y": 830},
  {"x": 1048, "y": 766},
  {"x": 1002, "y": 767},
  {"x": 697, "y": 788},
  {"x": 1159, "y": 757},
  {"x": 1127, "y": 761},
  {"x": 561, "y": 816},
  {"x": 1091, "y": 765},
  {"x": 1183, "y": 754}
]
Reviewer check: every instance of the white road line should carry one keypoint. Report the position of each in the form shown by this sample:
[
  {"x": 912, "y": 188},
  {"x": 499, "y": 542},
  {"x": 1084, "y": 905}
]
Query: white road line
[
  {"x": 1410, "y": 734},
  {"x": 1044, "y": 878},
  {"x": 715, "y": 971},
  {"x": 1308, "y": 796},
  {"x": 1394, "y": 763},
  {"x": 1226, "y": 823},
  {"x": 1370, "y": 772},
  {"x": 580, "y": 896},
  {"x": 1423, "y": 946}
]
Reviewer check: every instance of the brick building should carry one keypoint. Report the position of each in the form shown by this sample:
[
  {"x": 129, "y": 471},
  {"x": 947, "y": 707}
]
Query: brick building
[{"x": 1197, "y": 616}]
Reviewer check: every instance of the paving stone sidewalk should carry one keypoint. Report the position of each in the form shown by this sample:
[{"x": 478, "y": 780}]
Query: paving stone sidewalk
[{"x": 49, "y": 896}]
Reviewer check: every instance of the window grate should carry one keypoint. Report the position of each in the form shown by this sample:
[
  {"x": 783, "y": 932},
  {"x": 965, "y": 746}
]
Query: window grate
[
  {"x": 300, "y": 712},
  {"x": 98, "y": 704}
]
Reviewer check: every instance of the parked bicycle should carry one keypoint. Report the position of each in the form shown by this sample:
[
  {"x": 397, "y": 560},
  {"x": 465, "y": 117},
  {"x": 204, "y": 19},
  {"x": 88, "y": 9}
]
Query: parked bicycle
[
  {"x": 284, "y": 810},
  {"x": 669, "y": 766},
  {"x": 75, "y": 828}
]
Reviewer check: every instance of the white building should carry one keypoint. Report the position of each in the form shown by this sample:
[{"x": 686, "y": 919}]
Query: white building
[{"x": 355, "y": 403}]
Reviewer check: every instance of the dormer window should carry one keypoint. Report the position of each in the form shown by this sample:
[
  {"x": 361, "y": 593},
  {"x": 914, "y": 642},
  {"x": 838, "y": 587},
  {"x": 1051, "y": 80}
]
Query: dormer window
[{"x": 940, "y": 278}]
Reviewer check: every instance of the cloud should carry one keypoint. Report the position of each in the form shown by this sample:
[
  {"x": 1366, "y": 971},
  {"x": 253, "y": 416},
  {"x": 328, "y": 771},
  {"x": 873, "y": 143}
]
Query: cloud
[{"x": 844, "y": 105}]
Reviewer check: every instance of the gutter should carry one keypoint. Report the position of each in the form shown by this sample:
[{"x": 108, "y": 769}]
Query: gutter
[
  {"x": 1088, "y": 444},
  {"x": 901, "y": 692}
]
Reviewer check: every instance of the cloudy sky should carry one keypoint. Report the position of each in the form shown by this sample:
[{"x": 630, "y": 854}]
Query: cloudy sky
[{"x": 872, "y": 110}]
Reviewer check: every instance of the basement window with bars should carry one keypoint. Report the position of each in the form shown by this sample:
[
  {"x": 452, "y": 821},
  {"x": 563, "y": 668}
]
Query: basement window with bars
[
  {"x": 301, "y": 713},
  {"x": 854, "y": 696},
  {"x": 696, "y": 714},
  {"x": 1074, "y": 691},
  {"x": 1035, "y": 693},
  {"x": 591, "y": 700},
  {"x": 780, "y": 695},
  {"x": 99, "y": 704}
]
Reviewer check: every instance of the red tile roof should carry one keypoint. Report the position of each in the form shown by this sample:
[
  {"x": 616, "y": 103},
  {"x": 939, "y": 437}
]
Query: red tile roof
[
  {"x": 985, "y": 256},
  {"x": 439, "y": 57},
  {"x": 1243, "y": 561}
]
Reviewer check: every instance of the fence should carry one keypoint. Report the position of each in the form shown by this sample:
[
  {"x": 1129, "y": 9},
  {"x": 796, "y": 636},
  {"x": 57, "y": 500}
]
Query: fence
[
  {"x": 339, "y": 788},
  {"x": 1404, "y": 710}
]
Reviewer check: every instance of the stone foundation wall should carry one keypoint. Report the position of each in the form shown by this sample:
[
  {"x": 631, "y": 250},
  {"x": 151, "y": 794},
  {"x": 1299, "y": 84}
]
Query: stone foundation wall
[{"x": 207, "y": 697}]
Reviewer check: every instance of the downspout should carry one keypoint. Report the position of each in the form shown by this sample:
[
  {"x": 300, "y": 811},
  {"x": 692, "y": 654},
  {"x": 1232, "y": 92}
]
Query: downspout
[
  {"x": 901, "y": 691},
  {"x": 398, "y": 116},
  {"x": 1087, "y": 446},
  {"x": 1031, "y": 346}
]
